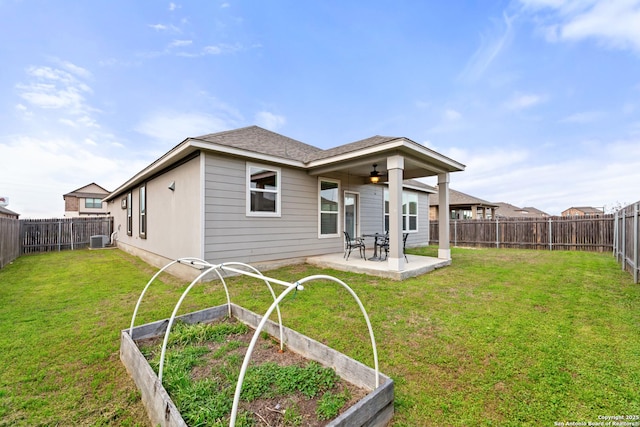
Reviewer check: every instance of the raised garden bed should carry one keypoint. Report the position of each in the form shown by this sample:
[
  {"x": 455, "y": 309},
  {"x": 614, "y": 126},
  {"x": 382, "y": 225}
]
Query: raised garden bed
[{"x": 368, "y": 405}]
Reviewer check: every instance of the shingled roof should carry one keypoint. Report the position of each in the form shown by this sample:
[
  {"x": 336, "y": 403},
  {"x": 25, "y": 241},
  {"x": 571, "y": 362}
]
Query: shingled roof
[
  {"x": 351, "y": 147},
  {"x": 508, "y": 210},
  {"x": 458, "y": 198},
  {"x": 258, "y": 140}
]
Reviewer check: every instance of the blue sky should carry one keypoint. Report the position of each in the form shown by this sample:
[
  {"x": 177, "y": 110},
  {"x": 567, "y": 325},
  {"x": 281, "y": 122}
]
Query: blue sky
[{"x": 539, "y": 98}]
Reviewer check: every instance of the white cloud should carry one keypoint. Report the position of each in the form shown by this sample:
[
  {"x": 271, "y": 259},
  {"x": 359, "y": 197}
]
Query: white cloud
[
  {"x": 597, "y": 175},
  {"x": 269, "y": 120},
  {"x": 613, "y": 24},
  {"x": 452, "y": 115},
  {"x": 173, "y": 6},
  {"x": 491, "y": 45},
  {"x": 171, "y": 127},
  {"x": 522, "y": 101},
  {"x": 162, "y": 27},
  {"x": 52, "y": 88},
  {"x": 38, "y": 171},
  {"x": 180, "y": 43},
  {"x": 583, "y": 117}
]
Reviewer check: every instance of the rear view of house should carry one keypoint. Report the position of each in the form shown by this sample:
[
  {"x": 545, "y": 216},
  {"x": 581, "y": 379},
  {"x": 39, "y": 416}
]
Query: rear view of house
[{"x": 256, "y": 196}]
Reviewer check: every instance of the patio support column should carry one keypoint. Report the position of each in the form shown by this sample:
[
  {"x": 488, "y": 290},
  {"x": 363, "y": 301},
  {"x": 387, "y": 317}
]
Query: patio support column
[
  {"x": 395, "y": 168},
  {"x": 444, "y": 252}
]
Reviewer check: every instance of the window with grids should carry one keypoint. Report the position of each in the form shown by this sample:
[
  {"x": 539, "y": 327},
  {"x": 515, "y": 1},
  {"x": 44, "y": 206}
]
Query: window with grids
[
  {"x": 92, "y": 203},
  {"x": 263, "y": 190},
  {"x": 409, "y": 211},
  {"x": 143, "y": 211},
  {"x": 129, "y": 214},
  {"x": 329, "y": 207}
]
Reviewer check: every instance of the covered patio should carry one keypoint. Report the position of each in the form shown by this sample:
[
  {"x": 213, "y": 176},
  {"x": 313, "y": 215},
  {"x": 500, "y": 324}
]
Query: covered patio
[
  {"x": 390, "y": 161},
  {"x": 416, "y": 265}
]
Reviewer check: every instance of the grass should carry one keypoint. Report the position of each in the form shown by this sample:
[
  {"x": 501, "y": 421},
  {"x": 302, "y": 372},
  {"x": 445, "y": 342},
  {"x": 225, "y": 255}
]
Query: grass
[{"x": 501, "y": 337}]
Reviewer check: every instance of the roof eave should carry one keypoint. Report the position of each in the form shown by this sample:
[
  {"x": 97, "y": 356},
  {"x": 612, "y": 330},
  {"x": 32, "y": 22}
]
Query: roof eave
[
  {"x": 438, "y": 161},
  {"x": 189, "y": 146}
]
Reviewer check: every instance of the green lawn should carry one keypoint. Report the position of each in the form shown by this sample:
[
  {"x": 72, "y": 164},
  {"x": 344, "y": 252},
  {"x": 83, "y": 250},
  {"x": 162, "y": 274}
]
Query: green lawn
[{"x": 501, "y": 337}]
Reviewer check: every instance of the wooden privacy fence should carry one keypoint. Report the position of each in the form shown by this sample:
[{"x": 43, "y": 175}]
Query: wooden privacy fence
[
  {"x": 9, "y": 240},
  {"x": 46, "y": 235},
  {"x": 553, "y": 233},
  {"x": 626, "y": 237}
]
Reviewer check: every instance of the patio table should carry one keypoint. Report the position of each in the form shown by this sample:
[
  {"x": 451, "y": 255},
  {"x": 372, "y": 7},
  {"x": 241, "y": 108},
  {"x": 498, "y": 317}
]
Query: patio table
[{"x": 376, "y": 236}]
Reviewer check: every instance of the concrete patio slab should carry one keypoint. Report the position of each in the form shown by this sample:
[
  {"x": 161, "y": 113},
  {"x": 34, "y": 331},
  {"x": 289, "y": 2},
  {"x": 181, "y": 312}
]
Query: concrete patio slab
[{"x": 416, "y": 266}]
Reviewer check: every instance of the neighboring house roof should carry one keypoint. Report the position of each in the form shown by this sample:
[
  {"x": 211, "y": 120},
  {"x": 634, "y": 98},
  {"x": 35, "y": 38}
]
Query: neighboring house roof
[
  {"x": 418, "y": 185},
  {"x": 6, "y": 211},
  {"x": 586, "y": 210},
  {"x": 535, "y": 211},
  {"x": 508, "y": 210},
  {"x": 259, "y": 144},
  {"x": 458, "y": 198},
  {"x": 92, "y": 190}
]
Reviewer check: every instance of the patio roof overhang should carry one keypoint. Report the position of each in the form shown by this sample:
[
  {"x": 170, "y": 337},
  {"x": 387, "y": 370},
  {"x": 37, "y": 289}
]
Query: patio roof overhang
[{"x": 419, "y": 161}]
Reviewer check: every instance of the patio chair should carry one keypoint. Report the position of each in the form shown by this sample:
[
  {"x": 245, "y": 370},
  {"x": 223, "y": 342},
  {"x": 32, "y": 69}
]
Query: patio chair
[
  {"x": 384, "y": 246},
  {"x": 404, "y": 246},
  {"x": 350, "y": 244}
]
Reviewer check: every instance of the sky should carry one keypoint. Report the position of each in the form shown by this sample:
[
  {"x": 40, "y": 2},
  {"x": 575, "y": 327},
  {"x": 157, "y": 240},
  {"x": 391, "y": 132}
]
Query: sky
[{"x": 540, "y": 99}]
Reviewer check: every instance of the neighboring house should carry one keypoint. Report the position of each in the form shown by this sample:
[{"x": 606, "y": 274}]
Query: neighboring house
[
  {"x": 6, "y": 213},
  {"x": 86, "y": 201},
  {"x": 582, "y": 211},
  {"x": 506, "y": 210},
  {"x": 255, "y": 196},
  {"x": 464, "y": 206}
]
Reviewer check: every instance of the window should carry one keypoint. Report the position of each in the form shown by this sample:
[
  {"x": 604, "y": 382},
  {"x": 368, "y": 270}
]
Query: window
[
  {"x": 329, "y": 203},
  {"x": 129, "y": 215},
  {"x": 143, "y": 211},
  {"x": 90, "y": 203},
  {"x": 263, "y": 190},
  {"x": 409, "y": 211}
]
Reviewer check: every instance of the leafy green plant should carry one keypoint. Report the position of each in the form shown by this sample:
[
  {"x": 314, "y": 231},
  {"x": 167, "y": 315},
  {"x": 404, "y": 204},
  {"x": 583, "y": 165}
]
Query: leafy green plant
[
  {"x": 330, "y": 404},
  {"x": 292, "y": 416}
]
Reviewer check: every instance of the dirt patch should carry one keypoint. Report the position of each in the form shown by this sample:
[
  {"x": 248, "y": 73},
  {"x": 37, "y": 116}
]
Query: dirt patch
[{"x": 294, "y": 409}]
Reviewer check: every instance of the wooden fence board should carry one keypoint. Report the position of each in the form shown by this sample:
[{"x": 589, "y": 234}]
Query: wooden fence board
[
  {"x": 627, "y": 238},
  {"x": 56, "y": 234},
  {"x": 553, "y": 233},
  {"x": 9, "y": 240}
]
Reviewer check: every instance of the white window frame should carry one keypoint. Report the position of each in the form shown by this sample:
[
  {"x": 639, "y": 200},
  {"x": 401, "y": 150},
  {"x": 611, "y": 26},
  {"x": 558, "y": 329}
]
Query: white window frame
[
  {"x": 142, "y": 217},
  {"x": 338, "y": 213},
  {"x": 277, "y": 191},
  {"x": 405, "y": 216}
]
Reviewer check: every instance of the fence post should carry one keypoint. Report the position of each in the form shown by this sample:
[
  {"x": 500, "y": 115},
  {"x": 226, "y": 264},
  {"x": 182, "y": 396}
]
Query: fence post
[
  {"x": 455, "y": 233},
  {"x": 624, "y": 239},
  {"x": 615, "y": 235},
  {"x": 497, "y": 233},
  {"x": 550, "y": 236},
  {"x": 635, "y": 243}
]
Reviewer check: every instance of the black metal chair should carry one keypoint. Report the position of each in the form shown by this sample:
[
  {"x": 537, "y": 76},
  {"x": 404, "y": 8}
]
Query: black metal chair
[
  {"x": 351, "y": 244},
  {"x": 384, "y": 246},
  {"x": 404, "y": 246}
]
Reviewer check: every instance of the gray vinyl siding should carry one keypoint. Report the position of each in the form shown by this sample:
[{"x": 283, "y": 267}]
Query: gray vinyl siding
[
  {"x": 421, "y": 238},
  {"x": 231, "y": 235}
]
